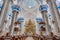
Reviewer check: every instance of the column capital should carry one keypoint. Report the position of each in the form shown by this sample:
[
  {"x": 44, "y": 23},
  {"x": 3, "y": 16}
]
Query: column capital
[
  {"x": 43, "y": 8},
  {"x": 20, "y": 19},
  {"x": 15, "y": 8}
]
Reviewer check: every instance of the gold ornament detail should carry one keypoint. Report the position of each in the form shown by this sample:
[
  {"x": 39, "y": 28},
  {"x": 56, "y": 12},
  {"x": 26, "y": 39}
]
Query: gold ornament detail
[{"x": 30, "y": 27}]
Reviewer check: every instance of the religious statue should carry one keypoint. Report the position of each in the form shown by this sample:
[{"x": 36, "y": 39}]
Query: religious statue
[{"x": 30, "y": 28}]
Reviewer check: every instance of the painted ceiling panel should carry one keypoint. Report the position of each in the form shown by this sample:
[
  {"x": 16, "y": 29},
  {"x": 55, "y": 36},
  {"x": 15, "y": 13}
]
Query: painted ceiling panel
[{"x": 29, "y": 3}]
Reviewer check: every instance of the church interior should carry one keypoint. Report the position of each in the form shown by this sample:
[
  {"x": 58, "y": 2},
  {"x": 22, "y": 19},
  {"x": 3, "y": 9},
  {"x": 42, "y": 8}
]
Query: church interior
[{"x": 29, "y": 19}]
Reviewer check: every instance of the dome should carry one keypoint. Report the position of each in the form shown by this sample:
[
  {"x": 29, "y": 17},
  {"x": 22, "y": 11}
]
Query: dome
[{"x": 29, "y": 3}]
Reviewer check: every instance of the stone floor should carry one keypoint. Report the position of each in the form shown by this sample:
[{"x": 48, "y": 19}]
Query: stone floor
[{"x": 29, "y": 38}]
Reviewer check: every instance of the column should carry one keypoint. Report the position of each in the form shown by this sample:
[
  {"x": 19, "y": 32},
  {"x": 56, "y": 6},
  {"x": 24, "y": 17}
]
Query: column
[
  {"x": 13, "y": 21},
  {"x": 56, "y": 12},
  {"x": 6, "y": 23},
  {"x": 4, "y": 13},
  {"x": 38, "y": 20},
  {"x": 43, "y": 9},
  {"x": 20, "y": 20},
  {"x": 15, "y": 11},
  {"x": 0, "y": 9},
  {"x": 54, "y": 20},
  {"x": 1, "y": 6}
]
